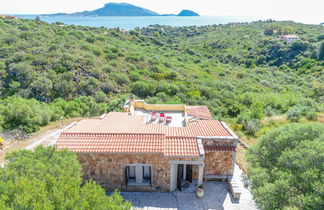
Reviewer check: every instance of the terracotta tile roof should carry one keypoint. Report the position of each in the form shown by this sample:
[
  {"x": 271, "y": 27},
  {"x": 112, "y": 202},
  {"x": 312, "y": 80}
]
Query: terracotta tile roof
[
  {"x": 117, "y": 122},
  {"x": 220, "y": 148},
  {"x": 119, "y": 132},
  {"x": 199, "y": 128},
  {"x": 180, "y": 147},
  {"x": 199, "y": 111},
  {"x": 111, "y": 143}
]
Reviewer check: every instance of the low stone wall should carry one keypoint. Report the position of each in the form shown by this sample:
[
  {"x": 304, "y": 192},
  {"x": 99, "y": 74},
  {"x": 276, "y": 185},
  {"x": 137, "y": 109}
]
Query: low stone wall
[
  {"x": 218, "y": 163},
  {"x": 108, "y": 170},
  {"x": 157, "y": 107}
]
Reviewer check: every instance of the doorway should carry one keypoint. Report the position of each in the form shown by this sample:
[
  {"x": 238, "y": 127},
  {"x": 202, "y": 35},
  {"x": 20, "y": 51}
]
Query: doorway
[{"x": 184, "y": 176}]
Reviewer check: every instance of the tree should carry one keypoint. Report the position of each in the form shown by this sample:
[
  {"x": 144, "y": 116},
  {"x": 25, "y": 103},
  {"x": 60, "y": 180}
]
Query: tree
[
  {"x": 321, "y": 52},
  {"x": 50, "y": 179},
  {"x": 287, "y": 167},
  {"x": 21, "y": 72}
]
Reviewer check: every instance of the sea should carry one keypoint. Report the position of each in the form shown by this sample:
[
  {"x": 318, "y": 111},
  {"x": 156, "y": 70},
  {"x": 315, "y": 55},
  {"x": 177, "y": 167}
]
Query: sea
[{"x": 128, "y": 23}]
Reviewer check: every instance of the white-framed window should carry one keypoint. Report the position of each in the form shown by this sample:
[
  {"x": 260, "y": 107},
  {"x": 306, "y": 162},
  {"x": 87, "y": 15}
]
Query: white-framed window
[{"x": 138, "y": 174}]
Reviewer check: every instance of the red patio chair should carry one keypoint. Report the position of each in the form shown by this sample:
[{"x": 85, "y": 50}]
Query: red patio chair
[
  {"x": 153, "y": 116},
  {"x": 168, "y": 119},
  {"x": 162, "y": 117}
]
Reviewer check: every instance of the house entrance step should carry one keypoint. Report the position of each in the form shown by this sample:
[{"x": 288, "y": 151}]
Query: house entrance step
[{"x": 235, "y": 189}]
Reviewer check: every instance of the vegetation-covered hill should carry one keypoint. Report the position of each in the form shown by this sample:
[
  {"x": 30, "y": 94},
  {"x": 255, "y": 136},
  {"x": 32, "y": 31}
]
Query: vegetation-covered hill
[
  {"x": 242, "y": 72},
  {"x": 118, "y": 9}
]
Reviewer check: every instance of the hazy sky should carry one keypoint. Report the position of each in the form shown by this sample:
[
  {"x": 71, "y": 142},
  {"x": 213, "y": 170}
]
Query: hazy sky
[{"x": 308, "y": 11}]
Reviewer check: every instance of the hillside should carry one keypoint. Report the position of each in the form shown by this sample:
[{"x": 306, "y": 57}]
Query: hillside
[{"x": 49, "y": 71}]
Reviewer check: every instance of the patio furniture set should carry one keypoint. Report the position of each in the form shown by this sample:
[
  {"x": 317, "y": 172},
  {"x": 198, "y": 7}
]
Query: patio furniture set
[{"x": 161, "y": 116}]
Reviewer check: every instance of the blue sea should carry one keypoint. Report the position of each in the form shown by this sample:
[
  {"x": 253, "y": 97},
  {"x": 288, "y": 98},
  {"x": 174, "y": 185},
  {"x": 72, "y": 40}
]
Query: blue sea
[{"x": 128, "y": 23}]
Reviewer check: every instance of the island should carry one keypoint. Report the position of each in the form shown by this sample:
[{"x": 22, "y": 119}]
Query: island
[
  {"x": 122, "y": 9},
  {"x": 187, "y": 13}
]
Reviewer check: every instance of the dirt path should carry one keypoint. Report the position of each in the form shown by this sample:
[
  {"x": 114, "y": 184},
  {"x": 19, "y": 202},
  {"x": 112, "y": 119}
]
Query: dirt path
[
  {"x": 47, "y": 135},
  {"x": 49, "y": 139}
]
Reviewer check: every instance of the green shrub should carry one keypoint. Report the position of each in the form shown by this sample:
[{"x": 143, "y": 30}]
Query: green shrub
[
  {"x": 107, "y": 68},
  {"x": 294, "y": 115},
  {"x": 252, "y": 126},
  {"x": 121, "y": 79},
  {"x": 28, "y": 115},
  {"x": 311, "y": 116},
  {"x": 143, "y": 89}
]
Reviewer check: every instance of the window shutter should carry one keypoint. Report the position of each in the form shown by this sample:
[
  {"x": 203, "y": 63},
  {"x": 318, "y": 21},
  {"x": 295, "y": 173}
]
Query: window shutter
[
  {"x": 150, "y": 169},
  {"x": 126, "y": 175}
]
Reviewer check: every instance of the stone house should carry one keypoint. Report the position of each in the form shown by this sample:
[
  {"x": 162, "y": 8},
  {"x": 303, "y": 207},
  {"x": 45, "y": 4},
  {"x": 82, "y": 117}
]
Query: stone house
[{"x": 152, "y": 147}]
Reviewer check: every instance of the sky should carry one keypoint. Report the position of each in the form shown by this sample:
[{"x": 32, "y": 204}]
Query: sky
[{"x": 306, "y": 11}]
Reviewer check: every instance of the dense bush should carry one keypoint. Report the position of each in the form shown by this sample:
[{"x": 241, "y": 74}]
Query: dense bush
[
  {"x": 287, "y": 167},
  {"x": 50, "y": 179},
  {"x": 294, "y": 115},
  {"x": 30, "y": 114}
]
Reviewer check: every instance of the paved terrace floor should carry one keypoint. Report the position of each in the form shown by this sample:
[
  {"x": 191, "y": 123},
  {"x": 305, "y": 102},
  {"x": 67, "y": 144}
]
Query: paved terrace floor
[{"x": 217, "y": 196}]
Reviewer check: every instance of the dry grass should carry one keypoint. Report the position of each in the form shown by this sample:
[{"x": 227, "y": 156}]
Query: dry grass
[
  {"x": 320, "y": 118},
  {"x": 278, "y": 119},
  {"x": 241, "y": 151},
  {"x": 240, "y": 158},
  {"x": 10, "y": 146}
]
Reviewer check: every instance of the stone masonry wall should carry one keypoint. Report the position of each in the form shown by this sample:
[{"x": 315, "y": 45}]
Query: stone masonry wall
[
  {"x": 218, "y": 163},
  {"x": 108, "y": 170}
]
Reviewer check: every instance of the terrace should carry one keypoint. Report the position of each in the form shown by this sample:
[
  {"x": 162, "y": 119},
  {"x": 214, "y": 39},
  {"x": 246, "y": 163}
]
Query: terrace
[
  {"x": 168, "y": 118},
  {"x": 171, "y": 115}
]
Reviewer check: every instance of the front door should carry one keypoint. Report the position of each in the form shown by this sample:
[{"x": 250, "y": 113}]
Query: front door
[
  {"x": 189, "y": 173},
  {"x": 179, "y": 176}
]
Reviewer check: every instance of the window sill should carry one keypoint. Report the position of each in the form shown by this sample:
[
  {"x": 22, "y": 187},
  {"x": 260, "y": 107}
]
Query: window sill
[{"x": 145, "y": 183}]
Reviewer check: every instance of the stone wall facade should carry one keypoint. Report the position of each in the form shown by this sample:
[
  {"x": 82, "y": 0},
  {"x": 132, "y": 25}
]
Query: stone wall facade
[
  {"x": 218, "y": 163},
  {"x": 108, "y": 170}
]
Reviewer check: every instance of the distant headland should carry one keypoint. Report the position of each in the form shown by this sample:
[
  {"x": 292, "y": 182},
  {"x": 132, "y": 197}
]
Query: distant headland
[{"x": 123, "y": 9}]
